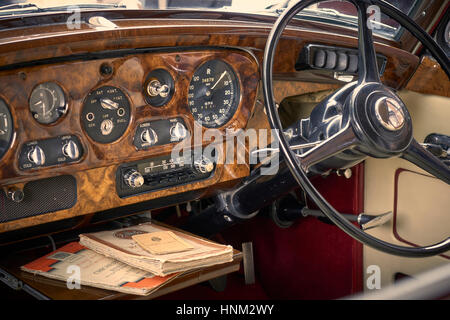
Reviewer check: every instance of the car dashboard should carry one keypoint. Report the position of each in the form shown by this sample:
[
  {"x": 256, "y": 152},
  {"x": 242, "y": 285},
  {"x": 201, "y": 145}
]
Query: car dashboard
[{"x": 91, "y": 116}]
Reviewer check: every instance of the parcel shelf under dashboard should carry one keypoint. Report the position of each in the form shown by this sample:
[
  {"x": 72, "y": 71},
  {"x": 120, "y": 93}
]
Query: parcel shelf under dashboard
[{"x": 46, "y": 288}]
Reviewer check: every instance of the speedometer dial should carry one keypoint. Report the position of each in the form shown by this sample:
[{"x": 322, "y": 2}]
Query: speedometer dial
[{"x": 213, "y": 96}]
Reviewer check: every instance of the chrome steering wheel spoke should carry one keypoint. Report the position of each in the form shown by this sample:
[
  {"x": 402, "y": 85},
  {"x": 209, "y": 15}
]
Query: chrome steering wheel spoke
[
  {"x": 424, "y": 159},
  {"x": 367, "y": 64},
  {"x": 341, "y": 141}
]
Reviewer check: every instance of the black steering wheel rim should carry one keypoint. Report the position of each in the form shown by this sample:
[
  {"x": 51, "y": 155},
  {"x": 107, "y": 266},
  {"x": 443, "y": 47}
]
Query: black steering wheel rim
[{"x": 291, "y": 160}]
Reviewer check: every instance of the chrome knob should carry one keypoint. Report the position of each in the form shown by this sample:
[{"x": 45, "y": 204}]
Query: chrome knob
[
  {"x": 155, "y": 88},
  {"x": 133, "y": 178},
  {"x": 204, "y": 165},
  {"x": 149, "y": 136},
  {"x": 109, "y": 104},
  {"x": 70, "y": 150},
  {"x": 178, "y": 131},
  {"x": 36, "y": 155},
  {"x": 106, "y": 127}
]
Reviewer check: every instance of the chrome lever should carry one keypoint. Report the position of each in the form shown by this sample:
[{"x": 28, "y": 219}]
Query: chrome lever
[
  {"x": 365, "y": 221},
  {"x": 293, "y": 147}
]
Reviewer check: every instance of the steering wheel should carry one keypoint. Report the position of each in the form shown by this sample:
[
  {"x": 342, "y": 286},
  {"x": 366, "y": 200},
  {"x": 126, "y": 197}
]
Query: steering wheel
[{"x": 374, "y": 121}]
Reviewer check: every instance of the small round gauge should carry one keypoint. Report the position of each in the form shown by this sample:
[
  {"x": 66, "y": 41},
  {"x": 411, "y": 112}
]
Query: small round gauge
[
  {"x": 6, "y": 128},
  {"x": 106, "y": 114},
  {"x": 47, "y": 103},
  {"x": 213, "y": 96}
]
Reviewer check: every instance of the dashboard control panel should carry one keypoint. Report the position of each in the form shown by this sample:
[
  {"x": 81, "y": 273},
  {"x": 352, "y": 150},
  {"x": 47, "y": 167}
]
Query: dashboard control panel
[
  {"x": 161, "y": 172},
  {"x": 112, "y": 123},
  {"x": 159, "y": 132},
  {"x": 106, "y": 114},
  {"x": 50, "y": 152}
]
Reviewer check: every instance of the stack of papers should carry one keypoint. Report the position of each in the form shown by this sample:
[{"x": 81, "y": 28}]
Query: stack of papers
[
  {"x": 120, "y": 245},
  {"x": 135, "y": 260}
]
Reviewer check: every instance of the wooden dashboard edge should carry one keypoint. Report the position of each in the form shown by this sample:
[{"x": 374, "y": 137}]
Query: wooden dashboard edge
[{"x": 429, "y": 78}]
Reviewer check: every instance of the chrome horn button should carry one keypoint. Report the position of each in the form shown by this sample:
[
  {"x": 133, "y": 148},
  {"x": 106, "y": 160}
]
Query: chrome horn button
[{"x": 390, "y": 113}]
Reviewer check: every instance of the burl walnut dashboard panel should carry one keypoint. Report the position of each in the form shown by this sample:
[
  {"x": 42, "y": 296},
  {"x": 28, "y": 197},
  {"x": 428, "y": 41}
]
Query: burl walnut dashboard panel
[{"x": 96, "y": 165}]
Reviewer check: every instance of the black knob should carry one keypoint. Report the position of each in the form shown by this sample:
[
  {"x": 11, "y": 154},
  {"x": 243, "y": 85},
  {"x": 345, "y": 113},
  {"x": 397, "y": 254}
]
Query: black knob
[{"x": 106, "y": 69}]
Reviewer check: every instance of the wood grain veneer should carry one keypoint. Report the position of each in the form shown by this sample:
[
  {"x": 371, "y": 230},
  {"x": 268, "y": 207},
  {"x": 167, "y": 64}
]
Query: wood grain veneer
[
  {"x": 95, "y": 172},
  {"x": 429, "y": 78}
]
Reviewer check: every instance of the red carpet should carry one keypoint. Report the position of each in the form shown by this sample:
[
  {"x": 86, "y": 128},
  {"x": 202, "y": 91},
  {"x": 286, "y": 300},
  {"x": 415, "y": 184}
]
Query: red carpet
[{"x": 310, "y": 260}]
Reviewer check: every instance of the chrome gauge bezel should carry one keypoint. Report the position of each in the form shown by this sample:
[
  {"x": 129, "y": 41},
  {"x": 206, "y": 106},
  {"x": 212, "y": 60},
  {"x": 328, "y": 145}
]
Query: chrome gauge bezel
[
  {"x": 47, "y": 103},
  {"x": 106, "y": 114},
  {"x": 218, "y": 115}
]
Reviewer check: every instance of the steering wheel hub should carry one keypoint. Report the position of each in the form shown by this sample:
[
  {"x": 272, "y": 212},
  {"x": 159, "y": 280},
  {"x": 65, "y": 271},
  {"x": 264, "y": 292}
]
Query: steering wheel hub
[
  {"x": 381, "y": 121},
  {"x": 389, "y": 113}
]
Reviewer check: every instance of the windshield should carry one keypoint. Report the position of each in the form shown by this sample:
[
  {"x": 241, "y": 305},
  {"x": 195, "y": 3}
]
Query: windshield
[{"x": 332, "y": 11}]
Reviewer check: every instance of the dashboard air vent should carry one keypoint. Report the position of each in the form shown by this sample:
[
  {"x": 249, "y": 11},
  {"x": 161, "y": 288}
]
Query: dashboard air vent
[{"x": 343, "y": 60}]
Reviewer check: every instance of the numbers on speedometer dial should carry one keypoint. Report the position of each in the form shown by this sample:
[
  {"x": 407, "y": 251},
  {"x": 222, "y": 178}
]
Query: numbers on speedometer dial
[{"x": 213, "y": 96}]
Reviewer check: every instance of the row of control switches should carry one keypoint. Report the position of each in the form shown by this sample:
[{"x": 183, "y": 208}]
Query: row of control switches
[
  {"x": 49, "y": 152},
  {"x": 159, "y": 132}
]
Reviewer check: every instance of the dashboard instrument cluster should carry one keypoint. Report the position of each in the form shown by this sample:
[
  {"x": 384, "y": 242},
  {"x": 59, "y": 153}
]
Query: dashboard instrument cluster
[{"x": 112, "y": 124}]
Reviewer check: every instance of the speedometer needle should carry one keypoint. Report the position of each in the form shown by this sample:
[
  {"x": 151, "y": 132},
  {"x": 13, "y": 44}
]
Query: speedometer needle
[{"x": 220, "y": 78}]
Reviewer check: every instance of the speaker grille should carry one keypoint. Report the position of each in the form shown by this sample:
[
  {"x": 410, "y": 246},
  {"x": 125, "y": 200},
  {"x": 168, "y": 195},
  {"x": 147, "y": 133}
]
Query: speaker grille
[{"x": 40, "y": 196}]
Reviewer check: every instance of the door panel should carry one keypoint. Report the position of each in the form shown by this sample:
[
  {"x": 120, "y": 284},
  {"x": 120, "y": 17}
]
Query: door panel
[{"x": 423, "y": 203}]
